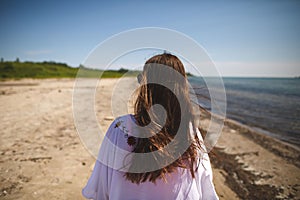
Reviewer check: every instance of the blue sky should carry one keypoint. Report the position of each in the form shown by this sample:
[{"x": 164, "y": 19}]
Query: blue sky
[{"x": 243, "y": 38}]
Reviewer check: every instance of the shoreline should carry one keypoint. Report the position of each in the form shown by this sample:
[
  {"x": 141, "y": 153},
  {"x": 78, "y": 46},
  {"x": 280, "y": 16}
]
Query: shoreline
[
  {"x": 270, "y": 134},
  {"x": 268, "y": 142},
  {"x": 258, "y": 132},
  {"x": 264, "y": 132}
]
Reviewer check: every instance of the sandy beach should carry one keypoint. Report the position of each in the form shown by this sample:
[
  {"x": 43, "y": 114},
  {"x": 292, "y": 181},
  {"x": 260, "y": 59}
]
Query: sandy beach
[{"x": 42, "y": 156}]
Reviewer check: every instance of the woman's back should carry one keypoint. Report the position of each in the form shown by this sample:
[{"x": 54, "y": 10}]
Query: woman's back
[{"x": 109, "y": 183}]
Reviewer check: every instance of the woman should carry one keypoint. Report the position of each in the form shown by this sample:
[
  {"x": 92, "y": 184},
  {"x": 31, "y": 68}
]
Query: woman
[{"x": 165, "y": 155}]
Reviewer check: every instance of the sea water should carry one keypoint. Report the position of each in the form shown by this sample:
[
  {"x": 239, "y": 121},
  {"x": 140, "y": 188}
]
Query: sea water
[{"x": 271, "y": 105}]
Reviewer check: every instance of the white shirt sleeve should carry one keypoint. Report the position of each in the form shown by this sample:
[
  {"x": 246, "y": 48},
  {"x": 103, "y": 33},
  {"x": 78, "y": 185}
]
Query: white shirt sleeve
[
  {"x": 97, "y": 188},
  {"x": 99, "y": 182},
  {"x": 204, "y": 176}
]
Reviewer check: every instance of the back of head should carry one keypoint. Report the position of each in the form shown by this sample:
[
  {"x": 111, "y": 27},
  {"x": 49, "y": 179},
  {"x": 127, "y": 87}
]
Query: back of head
[{"x": 163, "y": 83}]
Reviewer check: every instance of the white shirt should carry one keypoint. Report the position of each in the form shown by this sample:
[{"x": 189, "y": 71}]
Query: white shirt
[{"x": 108, "y": 183}]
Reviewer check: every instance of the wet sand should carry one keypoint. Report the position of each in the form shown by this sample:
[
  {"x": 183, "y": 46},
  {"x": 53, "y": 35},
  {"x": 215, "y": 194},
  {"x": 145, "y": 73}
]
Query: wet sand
[{"x": 42, "y": 156}]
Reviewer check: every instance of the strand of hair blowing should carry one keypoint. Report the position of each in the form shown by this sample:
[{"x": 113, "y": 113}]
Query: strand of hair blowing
[{"x": 149, "y": 95}]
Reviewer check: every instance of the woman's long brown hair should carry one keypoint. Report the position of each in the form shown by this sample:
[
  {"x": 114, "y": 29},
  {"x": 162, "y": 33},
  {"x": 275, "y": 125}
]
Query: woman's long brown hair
[{"x": 176, "y": 102}]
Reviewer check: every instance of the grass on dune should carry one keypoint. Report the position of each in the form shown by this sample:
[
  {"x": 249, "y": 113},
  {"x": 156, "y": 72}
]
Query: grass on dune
[{"x": 18, "y": 70}]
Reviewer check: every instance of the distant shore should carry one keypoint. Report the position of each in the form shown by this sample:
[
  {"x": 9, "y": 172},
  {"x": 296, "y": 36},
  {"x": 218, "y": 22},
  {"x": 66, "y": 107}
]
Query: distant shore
[{"x": 43, "y": 157}]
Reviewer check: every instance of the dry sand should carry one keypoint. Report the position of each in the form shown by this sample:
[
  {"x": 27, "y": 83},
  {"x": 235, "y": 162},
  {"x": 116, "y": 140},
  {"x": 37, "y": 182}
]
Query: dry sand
[{"x": 42, "y": 156}]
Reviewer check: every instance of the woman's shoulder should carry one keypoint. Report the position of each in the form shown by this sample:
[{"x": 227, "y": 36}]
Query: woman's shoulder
[
  {"x": 120, "y": 131},
  {"x": 123, "y": 123}
]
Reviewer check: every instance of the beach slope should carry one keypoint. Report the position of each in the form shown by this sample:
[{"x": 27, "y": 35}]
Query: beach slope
[{"x": 42, "y": 156}]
